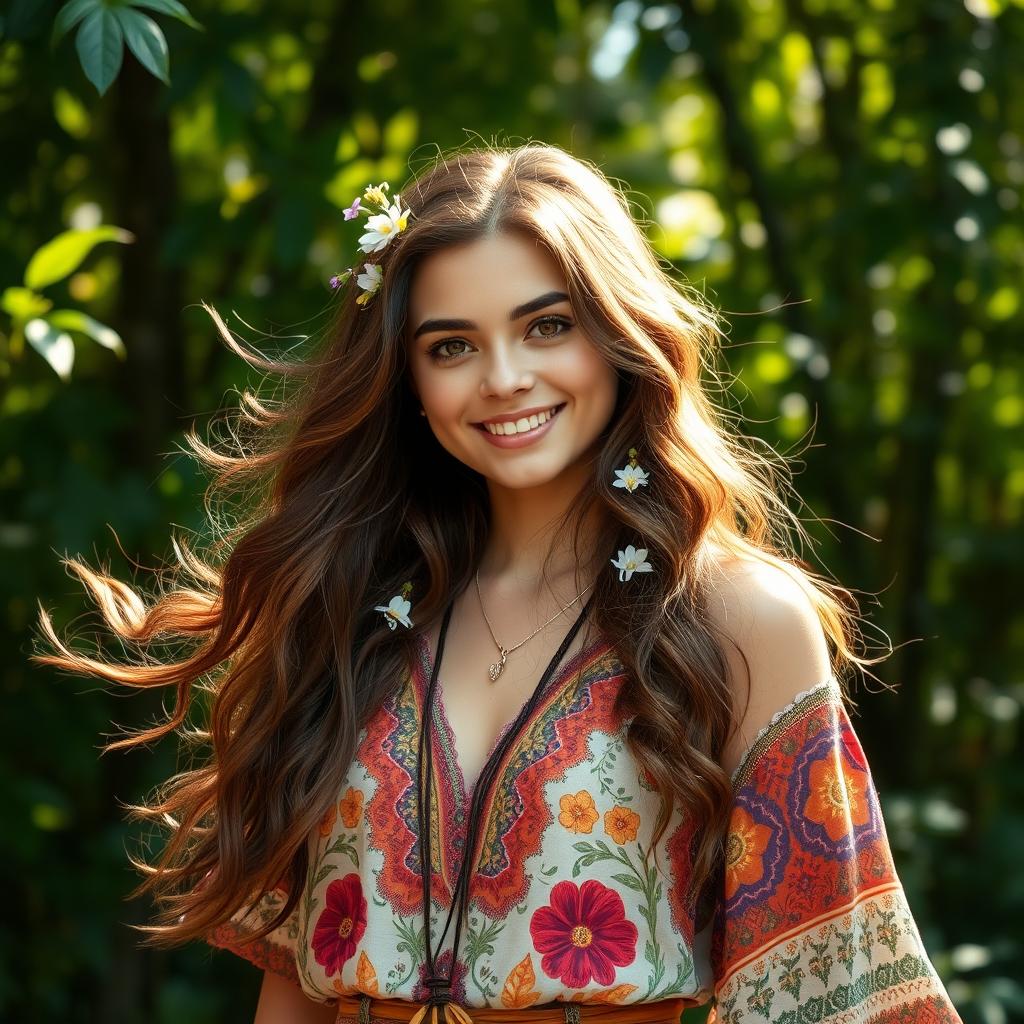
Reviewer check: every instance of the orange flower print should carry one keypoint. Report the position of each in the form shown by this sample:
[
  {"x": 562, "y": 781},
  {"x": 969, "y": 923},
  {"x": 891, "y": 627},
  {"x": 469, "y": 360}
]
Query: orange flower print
[
  {"x": 578, "y": 812},
  {"x": 621, "y": 824},
  {"x": 328, "y": 820},
  {"x": 837, "y": 801},
  {"x": 744, "y": 851},
  {"x": 351, "y": 807}
]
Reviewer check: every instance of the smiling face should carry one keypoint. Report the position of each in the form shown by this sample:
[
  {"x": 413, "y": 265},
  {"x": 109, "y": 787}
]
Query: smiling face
[{"x": 491, "y": 332}]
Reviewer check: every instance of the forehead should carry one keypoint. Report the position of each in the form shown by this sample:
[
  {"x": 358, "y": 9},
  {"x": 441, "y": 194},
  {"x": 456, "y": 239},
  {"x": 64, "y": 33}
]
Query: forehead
[{"x": 488, "y": 275}]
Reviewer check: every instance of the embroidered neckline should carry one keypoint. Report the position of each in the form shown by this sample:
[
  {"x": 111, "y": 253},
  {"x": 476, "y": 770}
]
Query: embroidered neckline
[
  {"x": 579, "y": 662},
  {"x": 805, "y": 697}
]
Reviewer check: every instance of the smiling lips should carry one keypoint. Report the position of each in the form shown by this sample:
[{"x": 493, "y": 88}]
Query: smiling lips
[
  {"x": 521, "y": 425},
  {"x": 521, "y": 432}
]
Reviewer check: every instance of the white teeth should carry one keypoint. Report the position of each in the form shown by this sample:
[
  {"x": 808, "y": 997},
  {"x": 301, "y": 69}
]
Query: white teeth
[{"x": 520, "y": 425}]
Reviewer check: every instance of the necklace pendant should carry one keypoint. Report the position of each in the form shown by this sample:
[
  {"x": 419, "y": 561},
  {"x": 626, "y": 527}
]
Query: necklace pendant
[{"x": 495, "y": 670}]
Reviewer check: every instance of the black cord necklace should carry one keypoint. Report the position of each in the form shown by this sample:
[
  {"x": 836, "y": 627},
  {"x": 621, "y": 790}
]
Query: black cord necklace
[{"x": 440, "y": 987}]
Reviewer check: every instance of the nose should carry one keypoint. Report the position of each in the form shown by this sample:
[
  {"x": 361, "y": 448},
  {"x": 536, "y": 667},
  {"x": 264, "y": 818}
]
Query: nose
[{"x": 505, "y": 371}]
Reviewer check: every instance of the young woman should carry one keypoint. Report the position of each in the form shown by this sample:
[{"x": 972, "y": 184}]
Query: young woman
[{"x": 510, "y": 584}]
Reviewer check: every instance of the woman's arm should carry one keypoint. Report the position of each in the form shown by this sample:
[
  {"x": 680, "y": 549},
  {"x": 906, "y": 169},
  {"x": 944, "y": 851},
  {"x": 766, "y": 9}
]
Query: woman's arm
[{"x": 283, "y": 1002}]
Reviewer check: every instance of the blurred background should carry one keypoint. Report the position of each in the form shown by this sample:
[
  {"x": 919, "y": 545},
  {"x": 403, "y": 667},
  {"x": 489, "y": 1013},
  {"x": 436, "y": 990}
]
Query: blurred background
[{"x": 842, "y": 177}]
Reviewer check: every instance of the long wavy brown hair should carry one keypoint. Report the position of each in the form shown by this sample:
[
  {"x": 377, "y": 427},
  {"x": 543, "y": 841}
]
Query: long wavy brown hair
[{"x": 346, "y": 494}]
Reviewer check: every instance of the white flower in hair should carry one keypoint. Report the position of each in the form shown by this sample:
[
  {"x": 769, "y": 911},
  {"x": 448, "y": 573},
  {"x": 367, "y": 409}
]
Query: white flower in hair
[
  {"x": 630, "y": 561},
  {"x": 369, "y": 282},
  {"x": 382, "y": 227},
  {"x": 392, "y": 220},
  {"x": 397, "y": 609},
  {"x": 631, "y": 476}
]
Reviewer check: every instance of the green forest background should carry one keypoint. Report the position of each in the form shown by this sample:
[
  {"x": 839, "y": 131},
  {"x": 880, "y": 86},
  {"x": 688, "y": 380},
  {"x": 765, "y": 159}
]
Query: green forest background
[{"x": 843, "y": 178}]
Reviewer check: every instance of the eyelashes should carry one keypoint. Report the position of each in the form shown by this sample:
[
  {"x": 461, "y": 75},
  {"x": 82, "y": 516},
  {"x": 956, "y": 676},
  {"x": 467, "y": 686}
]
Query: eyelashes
[{"x": 560, "y": 321}]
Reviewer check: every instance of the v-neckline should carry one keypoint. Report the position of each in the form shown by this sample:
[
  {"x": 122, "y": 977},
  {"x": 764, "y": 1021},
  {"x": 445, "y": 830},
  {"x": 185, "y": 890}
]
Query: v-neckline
[{"x": 555, "y": 683}]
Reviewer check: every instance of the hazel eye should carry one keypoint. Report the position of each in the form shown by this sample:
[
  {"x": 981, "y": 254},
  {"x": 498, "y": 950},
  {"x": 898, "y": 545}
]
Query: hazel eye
[
  {"x": 553, "y": 321},
  {"x": 560, "y": 323},
  {"x": 435, "y": 350}
]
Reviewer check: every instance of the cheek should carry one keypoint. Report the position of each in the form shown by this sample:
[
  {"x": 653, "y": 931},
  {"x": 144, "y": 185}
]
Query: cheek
[
  {"x": 585, "y": 374},
  {"x": 444, "y": 395}
]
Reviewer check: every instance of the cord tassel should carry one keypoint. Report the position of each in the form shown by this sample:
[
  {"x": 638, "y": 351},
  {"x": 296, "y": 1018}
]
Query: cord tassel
[
  {"x": 458, "y": 1013},
  {"x": 419, "y": 1014}
]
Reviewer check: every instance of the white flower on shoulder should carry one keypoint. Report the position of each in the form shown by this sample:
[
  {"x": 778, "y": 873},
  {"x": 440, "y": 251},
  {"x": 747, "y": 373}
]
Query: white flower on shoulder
[
  {"x": 382, "y": 227},
  {"x": 630, "y": 561},
  {"x": 396, "y": 610}
]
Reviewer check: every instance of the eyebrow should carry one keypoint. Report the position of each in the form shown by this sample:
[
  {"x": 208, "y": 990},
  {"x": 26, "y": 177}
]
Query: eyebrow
[{"x": 541, "y": 302}]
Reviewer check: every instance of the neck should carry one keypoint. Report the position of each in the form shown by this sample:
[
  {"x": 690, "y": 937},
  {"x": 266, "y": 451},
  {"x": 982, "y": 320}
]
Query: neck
[{"x": 522, "y": 537}]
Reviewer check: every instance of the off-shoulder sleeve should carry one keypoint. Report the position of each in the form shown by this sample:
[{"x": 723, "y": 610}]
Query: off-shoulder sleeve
[
  {"x": 277, "y": 951},
  {"x": 812, "y": 923}
]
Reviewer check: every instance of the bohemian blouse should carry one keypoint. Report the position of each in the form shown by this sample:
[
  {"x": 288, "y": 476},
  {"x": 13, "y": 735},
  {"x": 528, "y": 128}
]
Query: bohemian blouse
[{"x": 569, "y": 899}]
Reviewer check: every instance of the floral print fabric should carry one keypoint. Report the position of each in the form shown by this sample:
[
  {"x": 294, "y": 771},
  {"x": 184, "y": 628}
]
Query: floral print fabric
[
  {"x": 570, "y": 899},
  {"x": 812, "y": 922}
]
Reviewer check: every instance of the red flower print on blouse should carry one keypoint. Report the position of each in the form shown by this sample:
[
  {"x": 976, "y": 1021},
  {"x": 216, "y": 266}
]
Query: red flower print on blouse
[
  {"x": 583, "y": 934},
  {"x": 341, "y": 923}
]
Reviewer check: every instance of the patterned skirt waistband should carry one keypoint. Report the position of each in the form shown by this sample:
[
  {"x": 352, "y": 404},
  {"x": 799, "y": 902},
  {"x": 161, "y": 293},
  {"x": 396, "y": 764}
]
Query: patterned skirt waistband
[{"x": 362, "y": 1009}]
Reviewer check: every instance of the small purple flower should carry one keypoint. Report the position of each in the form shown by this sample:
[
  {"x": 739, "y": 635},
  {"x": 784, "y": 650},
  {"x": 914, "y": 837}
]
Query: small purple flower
[
  {"x": 352, "y": 211},
  {"x": 339, "y": 279}
]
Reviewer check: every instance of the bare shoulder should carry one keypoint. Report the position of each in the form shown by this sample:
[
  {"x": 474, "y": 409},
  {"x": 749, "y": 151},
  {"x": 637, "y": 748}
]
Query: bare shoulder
[{"x": 765, "y": 616}]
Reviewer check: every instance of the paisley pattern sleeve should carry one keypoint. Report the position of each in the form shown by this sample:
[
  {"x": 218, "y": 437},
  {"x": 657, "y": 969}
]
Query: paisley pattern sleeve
[
  {"x": 274, "y": 952},
  {"x": 812, "y": 923}
]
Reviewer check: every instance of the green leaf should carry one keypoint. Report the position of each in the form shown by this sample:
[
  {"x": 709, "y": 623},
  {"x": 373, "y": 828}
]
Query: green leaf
[
  {"x": 76, "y": 320},
  {"x": 54, "y": 346},
  {"x": 63, "y": 254},
  {"x": 69, "y": 16},
  {"x": 631, "y": 881},
  {"x": 100, "y": 47},
  {"x": 23, "y": 303},
  {"x": 171, "y": 7},
  {"x": 146, "y": 41}
]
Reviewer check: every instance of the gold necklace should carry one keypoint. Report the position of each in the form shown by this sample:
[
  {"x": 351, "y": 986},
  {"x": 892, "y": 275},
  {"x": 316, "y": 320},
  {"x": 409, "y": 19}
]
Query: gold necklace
[{"x": 495, "y": 670}]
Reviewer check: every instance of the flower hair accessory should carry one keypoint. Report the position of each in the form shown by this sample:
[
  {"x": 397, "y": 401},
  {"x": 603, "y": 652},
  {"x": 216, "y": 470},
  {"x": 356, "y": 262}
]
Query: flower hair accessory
[
  {"x": 630, "y": 561},
  {"x": 382, "y": 226},
  {"x": 397, "y": 609},
  {"x": 631, "y": 476}
]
